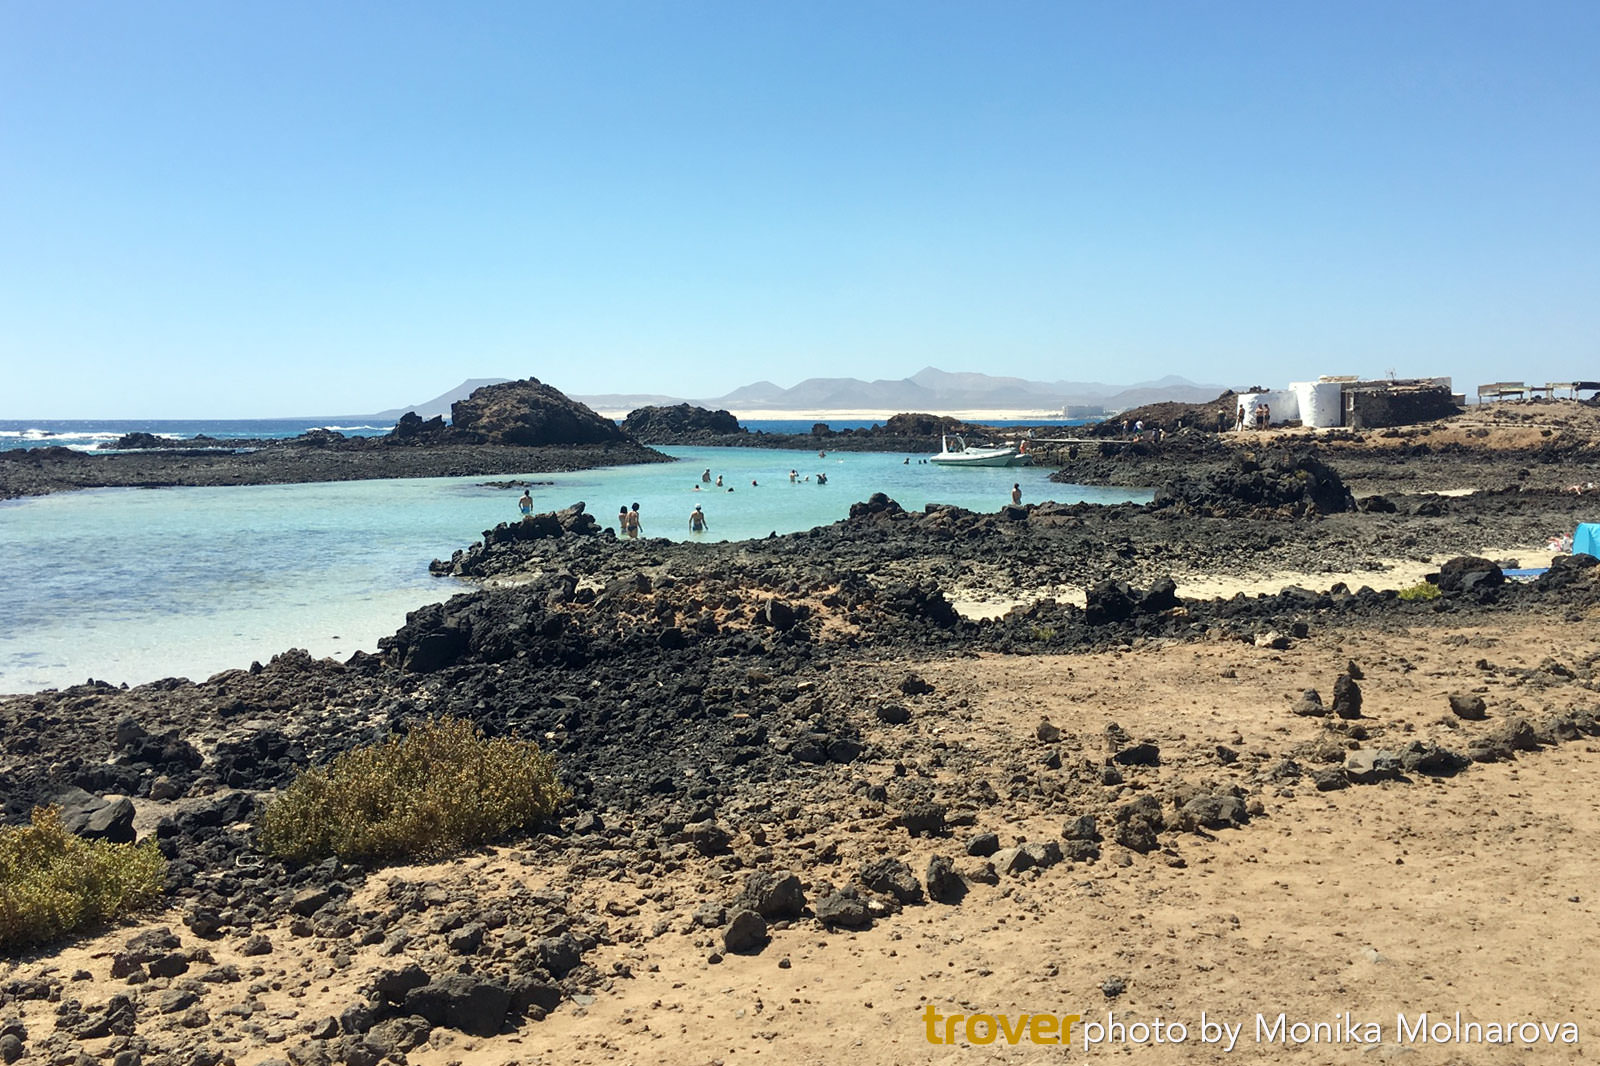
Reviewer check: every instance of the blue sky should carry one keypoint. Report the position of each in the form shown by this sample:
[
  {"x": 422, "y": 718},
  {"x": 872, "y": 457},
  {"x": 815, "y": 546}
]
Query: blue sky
[{"x": 255, "y": 209}]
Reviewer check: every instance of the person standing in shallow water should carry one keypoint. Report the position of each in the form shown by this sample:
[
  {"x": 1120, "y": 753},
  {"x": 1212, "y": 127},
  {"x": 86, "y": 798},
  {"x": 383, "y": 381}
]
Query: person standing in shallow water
[
  {"x": 633, "y": 522},
  {"x": 697, "y": 521},
  {"x": 525, "y": 505},
  {"x": 622, "y": 523},
  {"x": 1016, "y": 494}
]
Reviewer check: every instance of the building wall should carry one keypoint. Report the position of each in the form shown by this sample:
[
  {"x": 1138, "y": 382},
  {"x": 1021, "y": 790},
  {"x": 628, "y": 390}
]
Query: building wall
[
  {"x": 1283, "y": 404},
  {"x": 1377, "y": 409}
]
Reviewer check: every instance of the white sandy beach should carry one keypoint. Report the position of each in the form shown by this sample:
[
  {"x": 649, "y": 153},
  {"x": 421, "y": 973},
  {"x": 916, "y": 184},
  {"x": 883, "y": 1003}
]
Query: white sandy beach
[
  {"x": 975, "y": 603},
  {"x": 754, "y": 414}
]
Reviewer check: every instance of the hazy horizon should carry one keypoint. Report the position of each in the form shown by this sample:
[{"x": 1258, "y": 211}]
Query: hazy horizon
[
  {"x": 379, "y": 409},
  {"x": 219, "y": 212}
]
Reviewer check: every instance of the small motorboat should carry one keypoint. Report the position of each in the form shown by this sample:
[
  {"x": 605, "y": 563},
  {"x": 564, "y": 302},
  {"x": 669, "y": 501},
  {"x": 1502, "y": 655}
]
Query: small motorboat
[{"x": 957, "y": 453}]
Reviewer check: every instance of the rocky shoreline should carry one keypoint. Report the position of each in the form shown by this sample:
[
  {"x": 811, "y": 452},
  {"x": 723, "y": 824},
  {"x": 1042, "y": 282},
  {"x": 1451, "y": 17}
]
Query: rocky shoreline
[
  {"x": 777, "y": 747},
  {"x": 909, "y": 433},
  {"x": 300, "y": 460}
]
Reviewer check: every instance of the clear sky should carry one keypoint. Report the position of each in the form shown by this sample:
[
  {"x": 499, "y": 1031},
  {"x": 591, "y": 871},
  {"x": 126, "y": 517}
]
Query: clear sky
[{"x": 272, "y": 208}]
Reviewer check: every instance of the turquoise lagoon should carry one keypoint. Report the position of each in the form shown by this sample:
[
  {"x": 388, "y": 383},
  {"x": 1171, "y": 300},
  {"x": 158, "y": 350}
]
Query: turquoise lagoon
[{"x": 132, "y": 585}]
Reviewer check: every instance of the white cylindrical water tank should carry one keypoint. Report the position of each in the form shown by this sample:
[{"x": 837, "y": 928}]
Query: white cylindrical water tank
[{"x": 1321, "y": 403}]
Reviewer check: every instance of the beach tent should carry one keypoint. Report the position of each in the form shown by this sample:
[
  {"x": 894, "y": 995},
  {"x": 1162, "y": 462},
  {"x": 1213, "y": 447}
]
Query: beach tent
[{"x": 1587, "y": 539}]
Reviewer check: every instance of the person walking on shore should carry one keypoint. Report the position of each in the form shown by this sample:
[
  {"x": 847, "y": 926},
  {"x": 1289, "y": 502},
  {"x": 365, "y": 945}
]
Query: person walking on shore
[
  {"x": 697, "y": 520},
  {"x": 1016, "y": 494}
]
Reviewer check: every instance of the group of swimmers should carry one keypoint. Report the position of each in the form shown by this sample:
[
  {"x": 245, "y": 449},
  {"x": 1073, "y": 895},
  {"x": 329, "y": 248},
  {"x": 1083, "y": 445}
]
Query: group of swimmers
[
  {"x": 628, "y": 518},
  {"x": 794, "y": 478},
  {"x": 705, "y": 479}
]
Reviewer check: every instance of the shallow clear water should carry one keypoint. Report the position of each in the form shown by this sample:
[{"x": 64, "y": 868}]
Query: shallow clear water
[{"x": 131, "y": 585}]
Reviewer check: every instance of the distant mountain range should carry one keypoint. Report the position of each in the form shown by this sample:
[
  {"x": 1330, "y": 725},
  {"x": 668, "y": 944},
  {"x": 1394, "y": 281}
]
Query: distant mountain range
[{"x": 931, "y": 390}]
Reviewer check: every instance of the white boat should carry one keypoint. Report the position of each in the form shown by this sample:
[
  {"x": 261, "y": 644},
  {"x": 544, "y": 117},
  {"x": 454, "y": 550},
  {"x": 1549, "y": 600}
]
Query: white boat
[{"x": 959, "y": 454}]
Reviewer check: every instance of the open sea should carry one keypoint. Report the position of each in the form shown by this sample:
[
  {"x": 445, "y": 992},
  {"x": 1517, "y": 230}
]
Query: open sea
[
  {"x": 133, "y": 585},
  {"x": 89, "y": 435}
]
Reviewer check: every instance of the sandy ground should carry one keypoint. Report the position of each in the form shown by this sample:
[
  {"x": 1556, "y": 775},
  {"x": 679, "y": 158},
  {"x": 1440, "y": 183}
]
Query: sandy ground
[
  {"x": 1472, "y": 894},
  {"x": 975, "y": 602}
]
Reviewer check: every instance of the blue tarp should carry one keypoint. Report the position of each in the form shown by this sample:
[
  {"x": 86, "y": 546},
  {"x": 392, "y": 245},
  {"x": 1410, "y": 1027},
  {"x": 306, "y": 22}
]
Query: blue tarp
[{"x": 1587, "y": 539}]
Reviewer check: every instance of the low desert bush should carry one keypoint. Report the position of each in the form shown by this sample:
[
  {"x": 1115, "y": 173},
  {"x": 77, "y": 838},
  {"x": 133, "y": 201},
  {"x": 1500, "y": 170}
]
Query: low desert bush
[
  {"x": 1419, "y": 592},
  {"x": 437, "y": 790},
  {"x": 52, "y": 882}
]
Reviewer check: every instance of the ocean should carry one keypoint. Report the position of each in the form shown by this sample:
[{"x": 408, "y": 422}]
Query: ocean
[
  {"x": 133, "y": 585},
  {"x": 90, "y": 434}
]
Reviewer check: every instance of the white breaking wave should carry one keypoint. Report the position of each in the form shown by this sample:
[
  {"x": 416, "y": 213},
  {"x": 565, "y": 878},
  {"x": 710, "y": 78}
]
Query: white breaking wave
[{"x": 46, "y": 434}]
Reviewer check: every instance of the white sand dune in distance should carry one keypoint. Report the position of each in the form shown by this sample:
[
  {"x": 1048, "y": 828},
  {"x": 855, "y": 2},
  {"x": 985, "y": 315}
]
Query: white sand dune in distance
[{"x": 862, "y": 415}]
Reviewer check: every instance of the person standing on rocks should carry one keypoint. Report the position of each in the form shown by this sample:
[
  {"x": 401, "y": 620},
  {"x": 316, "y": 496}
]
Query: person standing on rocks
[
  {"x": 525, "y": 505},
  {"x": 697, "y": 520},
  {"x": 633, "y": 522},
  {"x": 1016, "y": 494},
  {"x": 1240, "y": 426}
]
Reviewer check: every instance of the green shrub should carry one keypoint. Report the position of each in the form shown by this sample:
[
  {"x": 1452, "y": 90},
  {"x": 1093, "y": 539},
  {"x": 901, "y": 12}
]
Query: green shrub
[
  {"x": 440, "y": 789},
  {"x": 1420, "y": 592},
  {"x": 1043, "y": 633},
  {"x": 52, "y": 882}
]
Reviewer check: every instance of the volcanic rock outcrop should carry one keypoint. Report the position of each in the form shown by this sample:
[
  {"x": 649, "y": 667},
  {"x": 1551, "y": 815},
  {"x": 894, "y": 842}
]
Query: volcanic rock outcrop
[
  {"x": 680, "y": 423},
  {"x": 528, "y": 413},
  {"x": 1295, "y": 481}
]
